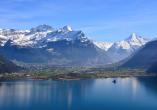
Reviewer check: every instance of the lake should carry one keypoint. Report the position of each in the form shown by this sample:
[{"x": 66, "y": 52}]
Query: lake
[{"x": 92, "y": 94}]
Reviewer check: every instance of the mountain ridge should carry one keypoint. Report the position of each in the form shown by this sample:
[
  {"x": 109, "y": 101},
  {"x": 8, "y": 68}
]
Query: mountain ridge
[
  {"x": 63, "y": 45},
  {"x": 44, "y": 44},
  {"x": 124, "y": 48}
]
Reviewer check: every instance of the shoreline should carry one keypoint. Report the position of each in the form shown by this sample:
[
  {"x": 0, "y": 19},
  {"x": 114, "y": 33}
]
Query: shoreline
[{"x": 72, "y": 76}]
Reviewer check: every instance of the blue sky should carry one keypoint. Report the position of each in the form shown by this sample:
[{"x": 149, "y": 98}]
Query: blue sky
[{"x": 101, "y": 20}]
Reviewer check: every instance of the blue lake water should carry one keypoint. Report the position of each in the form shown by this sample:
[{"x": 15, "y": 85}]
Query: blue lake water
[{"x": 92, "y": 94}]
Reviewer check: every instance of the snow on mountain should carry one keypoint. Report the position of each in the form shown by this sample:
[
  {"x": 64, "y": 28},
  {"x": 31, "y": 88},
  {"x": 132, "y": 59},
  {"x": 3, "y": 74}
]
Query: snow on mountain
[
  {"x": 130, "y": 44},
  {"x": 67, "y": 28},
  {"x": 136, "y": 41},
  {"x": 44, "y": 44},
  {"x": 123, "y": 49},
  {"x": 42, "y": 33},
  {"x": 17, "y": 36},
  {"x": 103, "y": 45},
  {"x": 42, "y": 28},
  {"x": 65, "y": 34},
  {"x": 45, "y": 33}
]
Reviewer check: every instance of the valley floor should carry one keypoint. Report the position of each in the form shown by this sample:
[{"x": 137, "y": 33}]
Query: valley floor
[{"x": 74, "y": 73}]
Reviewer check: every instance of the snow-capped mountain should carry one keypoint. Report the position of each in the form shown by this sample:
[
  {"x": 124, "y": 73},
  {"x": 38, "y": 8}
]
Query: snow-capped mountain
[
  {"x": 47, "y": 44},
  {"x": 122, "y": 49},
  {"x": 44, "y": 44},
  {"x": 103, "y": 45},
  {"x": 15, "y": 35},
  {"x": 40, "y": 34},
  {"x": 131, "y": 43}
]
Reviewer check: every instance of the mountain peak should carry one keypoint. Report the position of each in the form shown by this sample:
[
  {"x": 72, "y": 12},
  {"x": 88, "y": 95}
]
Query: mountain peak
[
  {"x": 67, "y": 28},
  {"x": 133, "y": 36},
  {"x": 42, "y": 28},
  {"x": 136, "y": 39}
]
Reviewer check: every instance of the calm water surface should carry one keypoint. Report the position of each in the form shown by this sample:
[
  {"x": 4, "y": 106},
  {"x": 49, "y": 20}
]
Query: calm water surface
[{"x": 92, "y": 94}]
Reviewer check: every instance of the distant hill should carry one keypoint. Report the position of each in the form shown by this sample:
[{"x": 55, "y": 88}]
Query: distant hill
[
  {"x": 144, "y": 58},
  {"x": 7, "y": 66},
  {"x": 152, "y": 68}
]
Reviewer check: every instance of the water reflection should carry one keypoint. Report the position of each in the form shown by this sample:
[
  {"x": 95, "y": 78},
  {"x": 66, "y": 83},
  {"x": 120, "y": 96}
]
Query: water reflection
[
  {"x": 149, "y": 84},
  {"x": 50, "y": 94},
  {"x": 127, "y": 93}
]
